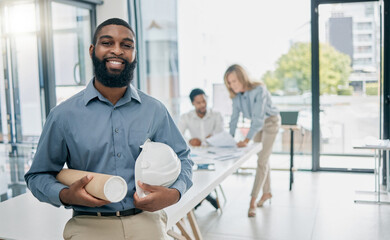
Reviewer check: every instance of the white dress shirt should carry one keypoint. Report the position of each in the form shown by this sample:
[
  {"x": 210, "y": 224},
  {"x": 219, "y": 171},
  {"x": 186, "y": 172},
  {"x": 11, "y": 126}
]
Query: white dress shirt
[{"x": 201, "y": 128}]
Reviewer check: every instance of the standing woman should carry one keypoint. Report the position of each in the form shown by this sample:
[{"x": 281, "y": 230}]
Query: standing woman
[{"x": 254, "y": 101}]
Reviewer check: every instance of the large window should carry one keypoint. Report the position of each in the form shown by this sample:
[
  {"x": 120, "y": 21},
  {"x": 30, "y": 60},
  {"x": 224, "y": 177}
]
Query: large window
[
  {"x": 37, "y": 52},
  {"x": 273, "y": 43},
  {"x": 349, "y": 61},
  {"x": 28, "y": 53},
  {"x": 71, "y": 40},
  {"x": 160, "y": 48},
  {"x": 260, "y": 39},
  {"x": 188, "y": 47},
  {"x": 21, "y": 90}
]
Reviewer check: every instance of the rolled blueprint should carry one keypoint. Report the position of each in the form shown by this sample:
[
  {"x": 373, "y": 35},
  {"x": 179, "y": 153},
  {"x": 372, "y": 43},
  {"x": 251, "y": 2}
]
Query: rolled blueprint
[{"x": 103, "y": 186}]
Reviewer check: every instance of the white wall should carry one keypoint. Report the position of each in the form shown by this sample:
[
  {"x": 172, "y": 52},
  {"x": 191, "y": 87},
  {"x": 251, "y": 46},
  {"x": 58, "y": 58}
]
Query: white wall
[{"x": 111, "y": 9}]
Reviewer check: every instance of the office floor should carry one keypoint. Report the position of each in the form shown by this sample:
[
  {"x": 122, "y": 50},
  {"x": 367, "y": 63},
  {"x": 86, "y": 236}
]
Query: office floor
[{"x": 320, "y": 206}]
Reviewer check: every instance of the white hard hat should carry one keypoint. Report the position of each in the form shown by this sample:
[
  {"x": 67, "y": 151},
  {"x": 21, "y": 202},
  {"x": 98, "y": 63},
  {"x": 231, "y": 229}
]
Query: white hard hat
[{"x": 156, "y": 165}]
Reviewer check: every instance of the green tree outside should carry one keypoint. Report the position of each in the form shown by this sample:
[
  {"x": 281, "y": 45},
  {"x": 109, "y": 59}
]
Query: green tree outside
[
  {"x": 293, "y": 71},
  {"x": 272, "y": 82}
]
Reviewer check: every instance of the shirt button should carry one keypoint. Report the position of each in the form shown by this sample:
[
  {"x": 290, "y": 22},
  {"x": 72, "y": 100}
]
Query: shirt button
[
  {"x": 118, "y": 155},
  {"x": 116, "y": 130}
]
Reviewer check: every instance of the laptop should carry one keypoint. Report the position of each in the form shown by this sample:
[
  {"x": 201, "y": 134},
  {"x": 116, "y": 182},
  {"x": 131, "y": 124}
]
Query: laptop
[{"x": 289, "y": 117}]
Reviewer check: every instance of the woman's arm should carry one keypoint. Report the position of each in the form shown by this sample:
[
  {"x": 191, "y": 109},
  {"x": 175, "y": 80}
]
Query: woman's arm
[
  {"x": 258, "y": 111},
  {"x": 234, "y": 117}
]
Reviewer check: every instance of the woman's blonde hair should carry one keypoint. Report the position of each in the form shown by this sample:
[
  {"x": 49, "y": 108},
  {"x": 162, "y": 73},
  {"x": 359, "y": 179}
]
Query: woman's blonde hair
[{"x": 242, "y": 77}]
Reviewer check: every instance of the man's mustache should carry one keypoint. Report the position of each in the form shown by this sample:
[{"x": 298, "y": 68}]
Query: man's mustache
[{"x": 121, "y": 58}]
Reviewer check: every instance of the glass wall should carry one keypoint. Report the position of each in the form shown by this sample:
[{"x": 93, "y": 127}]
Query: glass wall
[
  {"x": 24, "y": 47},
  {"x": 188, "y": 47},
  {"x": 256, "y": 35},
  {"x": 3, "y": 110},
  {"x": 22, "y": 91},
  {"x": 349, "y": 83},
  {"x": 71, "y": 40},
  {"x": 198, "y": 46},
  {"x": 160, "y": 45}
]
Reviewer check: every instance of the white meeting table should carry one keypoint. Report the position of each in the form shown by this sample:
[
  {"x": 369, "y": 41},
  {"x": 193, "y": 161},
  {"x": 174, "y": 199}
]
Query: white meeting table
[
  {"x": 377, "y": 170},
  {"x": 24, "y": 217}
]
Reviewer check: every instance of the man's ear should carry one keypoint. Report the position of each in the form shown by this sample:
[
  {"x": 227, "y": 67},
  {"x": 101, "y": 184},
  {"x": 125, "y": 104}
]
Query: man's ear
[
  {"x": 134, "y": 54},
  {"x": 91, "y": 48}
]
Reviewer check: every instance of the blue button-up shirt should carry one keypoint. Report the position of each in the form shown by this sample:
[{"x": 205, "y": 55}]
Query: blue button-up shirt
[
  {"x": 256, "y": 105},
  {"x": 88, "y": 133}
]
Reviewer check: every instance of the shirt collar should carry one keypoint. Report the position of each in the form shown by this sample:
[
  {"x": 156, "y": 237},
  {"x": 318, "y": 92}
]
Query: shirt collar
[
  {"x": 91, "y": 93},
  {"x": 134, "y": 93}
]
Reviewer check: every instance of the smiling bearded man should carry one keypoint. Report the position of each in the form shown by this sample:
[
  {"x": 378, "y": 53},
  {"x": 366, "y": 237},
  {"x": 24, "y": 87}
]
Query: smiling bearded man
[{"x": 113, "y": 80}]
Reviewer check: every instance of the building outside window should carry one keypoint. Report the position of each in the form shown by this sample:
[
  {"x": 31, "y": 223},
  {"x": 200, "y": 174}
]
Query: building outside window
[{"x": 351, "y": 113}]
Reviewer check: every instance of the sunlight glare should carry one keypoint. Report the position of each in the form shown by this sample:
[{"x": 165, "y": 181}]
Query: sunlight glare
[{"x": 20, "y": 18}]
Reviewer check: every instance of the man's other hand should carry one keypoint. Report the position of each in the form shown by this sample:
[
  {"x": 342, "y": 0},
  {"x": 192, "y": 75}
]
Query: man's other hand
[
  {"x": 195, "y": 142},
  {"x": 77, "y": 195},
  {"x": 157, "y": 199}
]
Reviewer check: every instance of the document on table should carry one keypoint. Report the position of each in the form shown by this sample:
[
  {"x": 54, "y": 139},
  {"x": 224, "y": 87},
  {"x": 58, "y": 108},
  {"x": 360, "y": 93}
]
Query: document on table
[
  {"x": 202, "y": 155},
  {"x": 222, "y": 139},
  {"x": 228, "y": 155}
]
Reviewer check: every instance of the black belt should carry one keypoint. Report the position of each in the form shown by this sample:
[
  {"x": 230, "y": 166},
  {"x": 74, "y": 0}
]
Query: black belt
[{"x": 129, "y": 212}]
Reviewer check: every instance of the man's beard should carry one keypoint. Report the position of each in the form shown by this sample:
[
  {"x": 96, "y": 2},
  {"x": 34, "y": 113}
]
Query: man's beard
[
  {"x": 201, "y": 111},
  {"x": 113, "y": 80}
]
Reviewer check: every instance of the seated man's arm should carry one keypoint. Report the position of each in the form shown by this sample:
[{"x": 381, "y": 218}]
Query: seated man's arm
[{"x": 183, "y": 126}]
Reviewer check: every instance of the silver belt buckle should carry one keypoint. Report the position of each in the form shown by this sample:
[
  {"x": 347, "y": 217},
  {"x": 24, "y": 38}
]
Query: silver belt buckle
[
  {"x": 118, "y": 214},
  {"x": 99, "y": 214}
]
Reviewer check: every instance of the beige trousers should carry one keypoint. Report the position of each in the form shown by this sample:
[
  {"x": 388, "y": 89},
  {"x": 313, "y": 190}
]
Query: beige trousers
[
  {"x": 143, "y": 226},
  {"x": 266, "y": 136}
]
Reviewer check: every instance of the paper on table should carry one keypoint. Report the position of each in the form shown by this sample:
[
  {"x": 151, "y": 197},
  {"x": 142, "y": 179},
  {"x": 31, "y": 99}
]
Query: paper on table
[
  {"x": 226, "y": 155},
  {"x": 205, "y": 155},
  {"x": 222, "y": 139}
]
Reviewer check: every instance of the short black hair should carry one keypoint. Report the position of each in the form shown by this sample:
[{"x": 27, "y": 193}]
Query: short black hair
[
  {"x": 111, "y": 21},
  {"x": 195, "y": 92}
]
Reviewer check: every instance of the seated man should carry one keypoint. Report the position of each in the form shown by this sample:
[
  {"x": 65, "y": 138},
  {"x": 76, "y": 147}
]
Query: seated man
[{"x": 201, "y": 123}]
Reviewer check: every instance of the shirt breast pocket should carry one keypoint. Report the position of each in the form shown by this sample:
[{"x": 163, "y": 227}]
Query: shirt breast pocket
[{"x": 136, "y": 139}]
